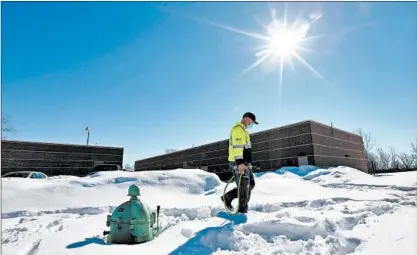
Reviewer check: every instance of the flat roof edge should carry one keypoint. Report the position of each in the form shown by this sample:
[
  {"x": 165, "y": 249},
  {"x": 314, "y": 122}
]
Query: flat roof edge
[{"x": 61, "y": 144}]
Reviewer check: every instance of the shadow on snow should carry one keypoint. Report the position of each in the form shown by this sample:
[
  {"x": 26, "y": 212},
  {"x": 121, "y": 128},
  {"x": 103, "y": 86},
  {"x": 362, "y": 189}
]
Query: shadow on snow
[
  {"x": 211, "y": 239},
  {"x": 87, "y": 241}
]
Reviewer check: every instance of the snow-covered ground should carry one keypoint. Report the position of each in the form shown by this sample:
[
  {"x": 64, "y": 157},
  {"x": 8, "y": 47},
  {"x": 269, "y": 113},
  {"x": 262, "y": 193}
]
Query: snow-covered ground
[{"x": 325, "y": 211}]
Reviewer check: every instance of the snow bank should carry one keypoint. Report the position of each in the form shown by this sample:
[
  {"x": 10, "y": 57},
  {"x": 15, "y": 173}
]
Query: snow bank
[
  {"x": 103, "y": 189},
  {"x": 195, "y": 182},
  {"x": 342, "y": 175},
  {"x": 347, "y": 176},
  {"x": 303, "y": 210}
]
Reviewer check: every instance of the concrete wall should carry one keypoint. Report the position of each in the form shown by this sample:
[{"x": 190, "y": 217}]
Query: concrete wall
[{"x": 55, "y": 159}]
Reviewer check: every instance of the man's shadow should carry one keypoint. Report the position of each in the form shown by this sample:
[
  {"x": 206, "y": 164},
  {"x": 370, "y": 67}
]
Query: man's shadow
[{"x": 210, "y": 239}]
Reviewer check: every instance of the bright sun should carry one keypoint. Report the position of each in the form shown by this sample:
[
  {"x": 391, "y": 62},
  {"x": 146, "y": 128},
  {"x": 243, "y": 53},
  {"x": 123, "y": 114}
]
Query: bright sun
[
  {"x": 282, "y": 45},
  {"x": 282, "y": 42}
]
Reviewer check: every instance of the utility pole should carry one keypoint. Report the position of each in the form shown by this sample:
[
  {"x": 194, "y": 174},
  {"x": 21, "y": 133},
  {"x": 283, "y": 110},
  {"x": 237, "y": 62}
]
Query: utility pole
[
  {"x": 88, "y": 134},
  {"x": 331, "y": 128}
]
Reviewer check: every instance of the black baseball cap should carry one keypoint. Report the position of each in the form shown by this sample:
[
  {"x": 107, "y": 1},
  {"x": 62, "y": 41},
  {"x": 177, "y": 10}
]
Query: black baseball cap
[{"x": 250, "y": 116}]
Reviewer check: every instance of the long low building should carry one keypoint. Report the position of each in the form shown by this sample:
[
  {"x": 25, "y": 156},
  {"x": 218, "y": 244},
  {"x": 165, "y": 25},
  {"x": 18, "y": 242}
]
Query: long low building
[
  {"x": 56, "y": 159},
  {"x": 303, "y": 143}
]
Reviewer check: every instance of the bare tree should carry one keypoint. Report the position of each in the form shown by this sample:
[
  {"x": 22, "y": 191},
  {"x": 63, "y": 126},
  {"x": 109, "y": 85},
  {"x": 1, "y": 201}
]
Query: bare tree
[
  {"x": 407, "y": 161},
  {"x": 373, "y": 163},
  {"x": 5, "y": 125},
  {"x": 386, "y": 160},
  {"x": 414, "y": 153},
  {"x": 369, "y": 143},
  {"x": 383, "y": 159},
  {"x": 368, "y": 140},
  {"x": 414, "y": 148},
  {"x": 394, "y": 162},
  {"x": 169, "y": 150}
]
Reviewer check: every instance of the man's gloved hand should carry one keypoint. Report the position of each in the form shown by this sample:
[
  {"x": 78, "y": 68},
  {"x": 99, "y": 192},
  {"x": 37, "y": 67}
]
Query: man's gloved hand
[{"x": 241, "y": 168}]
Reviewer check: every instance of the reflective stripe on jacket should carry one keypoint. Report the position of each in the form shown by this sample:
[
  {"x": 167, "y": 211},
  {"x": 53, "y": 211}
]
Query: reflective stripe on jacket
[{"x": 240, "y": 145}]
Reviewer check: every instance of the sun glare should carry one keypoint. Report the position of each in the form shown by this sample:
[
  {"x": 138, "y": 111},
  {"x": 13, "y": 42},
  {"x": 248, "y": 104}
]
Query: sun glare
[{"x": 282, "y": 42}]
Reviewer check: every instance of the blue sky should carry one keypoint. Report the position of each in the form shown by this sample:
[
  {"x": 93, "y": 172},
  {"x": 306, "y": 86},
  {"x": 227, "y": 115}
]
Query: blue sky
[{"x": 148, "y": 76}]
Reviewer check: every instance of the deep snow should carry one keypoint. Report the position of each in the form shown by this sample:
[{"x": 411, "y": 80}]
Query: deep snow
[{"x": 292, "y": 211}]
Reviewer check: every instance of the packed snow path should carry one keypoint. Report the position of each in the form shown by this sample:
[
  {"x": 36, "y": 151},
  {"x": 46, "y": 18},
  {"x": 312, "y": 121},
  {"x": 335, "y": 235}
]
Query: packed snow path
[{"x": 332, "y": 211}]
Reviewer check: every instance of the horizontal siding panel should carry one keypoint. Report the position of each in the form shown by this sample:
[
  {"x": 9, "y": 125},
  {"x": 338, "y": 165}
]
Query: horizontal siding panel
[
  {"x": 6, "y": 163},
  {"x": 56, "y": 159},
  {"x": 292, "y": 151},
  {"x": 335, "y": 142},
  {"x": 336, "y": 133},
  {"x": 59, "y": 148},
  {"x": 59, "y": 156},
  {"x": 335, "y": 161},
  {"x": 338, "y": 152},
  {"x": 290, "y": 142}
]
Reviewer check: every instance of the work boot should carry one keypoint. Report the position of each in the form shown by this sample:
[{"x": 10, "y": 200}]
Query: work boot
[
  {"x": 243, "y": 210},
  {"x": 227, "y": 202}
]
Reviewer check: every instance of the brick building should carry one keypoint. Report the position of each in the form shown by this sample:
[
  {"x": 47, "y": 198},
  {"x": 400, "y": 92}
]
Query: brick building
[
  {"x": 302, "y": 143},
  {"x": 56, "y": 159}
]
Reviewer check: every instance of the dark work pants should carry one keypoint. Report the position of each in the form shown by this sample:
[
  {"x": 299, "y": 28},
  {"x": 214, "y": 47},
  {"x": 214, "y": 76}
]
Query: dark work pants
[{"x": 247, "y": 184}]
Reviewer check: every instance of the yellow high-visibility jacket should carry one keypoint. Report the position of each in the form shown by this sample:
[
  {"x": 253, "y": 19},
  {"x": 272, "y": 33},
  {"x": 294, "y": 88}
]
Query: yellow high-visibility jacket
[{"x": 240, "y": 148}]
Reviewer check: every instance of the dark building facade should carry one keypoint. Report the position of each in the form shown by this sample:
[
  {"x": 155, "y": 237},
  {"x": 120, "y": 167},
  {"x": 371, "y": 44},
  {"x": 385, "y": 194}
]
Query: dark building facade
[
  {"x": 56, "y": 159},
  {"x": 302, "y": 143}
]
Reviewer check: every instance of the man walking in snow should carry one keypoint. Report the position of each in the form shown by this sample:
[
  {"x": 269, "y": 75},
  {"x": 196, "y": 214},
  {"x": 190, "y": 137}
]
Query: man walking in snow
[{"x": 240, "y": 159}]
